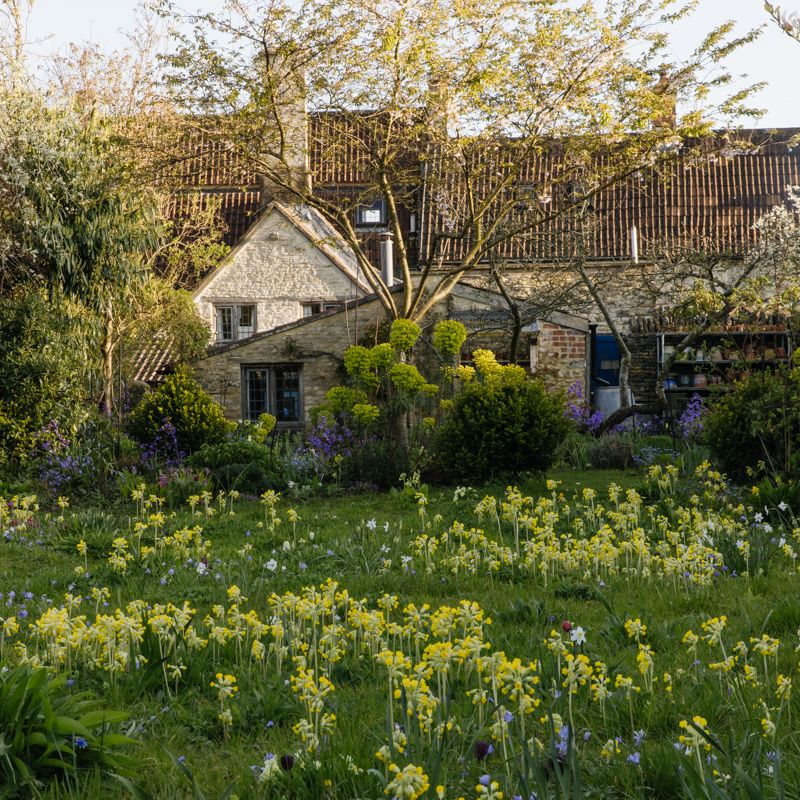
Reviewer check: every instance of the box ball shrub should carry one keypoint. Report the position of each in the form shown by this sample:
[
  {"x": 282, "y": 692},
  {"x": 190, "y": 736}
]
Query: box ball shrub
[
  {"x": 197, "y": 419},
  {"x": 246, "y": 466},
  {"x": 504, "y": 424}
]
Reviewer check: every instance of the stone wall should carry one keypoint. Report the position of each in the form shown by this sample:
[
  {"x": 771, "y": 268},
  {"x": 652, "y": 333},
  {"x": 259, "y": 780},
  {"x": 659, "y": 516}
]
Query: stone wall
[
  {"x": 278, "y": 269},
  {"x": 644, "y": 366}
]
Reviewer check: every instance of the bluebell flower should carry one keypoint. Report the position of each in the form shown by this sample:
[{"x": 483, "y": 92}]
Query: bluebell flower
[
  {"x": 634, "y": 758},
  {"x": 484, "y": 780}
]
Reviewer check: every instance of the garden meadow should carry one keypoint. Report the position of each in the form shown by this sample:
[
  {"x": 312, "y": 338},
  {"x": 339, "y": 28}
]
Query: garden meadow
[
  {"x": 603, "y": 634},
  {"x": 198, "y": 608}
]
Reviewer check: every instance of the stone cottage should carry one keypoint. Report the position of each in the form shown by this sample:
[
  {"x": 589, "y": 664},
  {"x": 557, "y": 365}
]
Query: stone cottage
[
  {"x": 290, "y": 264},
  {"x": 286, "y": 371}
]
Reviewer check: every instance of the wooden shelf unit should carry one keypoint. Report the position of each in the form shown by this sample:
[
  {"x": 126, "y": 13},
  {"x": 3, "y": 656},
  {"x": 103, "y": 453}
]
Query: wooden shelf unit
[{"x": 722, "y": 357}]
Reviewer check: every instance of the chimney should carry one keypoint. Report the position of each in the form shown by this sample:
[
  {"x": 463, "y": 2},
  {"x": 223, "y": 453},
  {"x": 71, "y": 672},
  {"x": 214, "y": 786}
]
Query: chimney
[
  {"x": 387, "y": 259},
  {"x": 286, "y": 129},
  {"x": 438, "y": 109},
  {"x": 667, "y": 91},
  {"x": 634, "y": 244}
]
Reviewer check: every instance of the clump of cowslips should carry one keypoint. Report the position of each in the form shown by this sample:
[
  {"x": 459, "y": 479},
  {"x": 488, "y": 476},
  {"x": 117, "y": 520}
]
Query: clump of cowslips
[{"x": 226, "y": 690}]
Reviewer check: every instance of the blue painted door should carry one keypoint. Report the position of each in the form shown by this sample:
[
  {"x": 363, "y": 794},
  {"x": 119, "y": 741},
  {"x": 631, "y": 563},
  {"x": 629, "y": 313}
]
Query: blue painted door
[{"x": 605, "y": 361}]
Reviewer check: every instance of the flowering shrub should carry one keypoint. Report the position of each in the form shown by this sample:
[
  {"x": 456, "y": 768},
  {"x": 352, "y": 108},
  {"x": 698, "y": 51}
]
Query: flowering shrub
[
  {"x": 382, "y": 356},
  {"x": 407, "y": 378},
  {"x": 357, "y": 361},
  {"x": 403, "y": 335},
  {"x": 449, "y": 336},
  {"x": 339, "y": 400},
  {"x": 365, "y": 414}
]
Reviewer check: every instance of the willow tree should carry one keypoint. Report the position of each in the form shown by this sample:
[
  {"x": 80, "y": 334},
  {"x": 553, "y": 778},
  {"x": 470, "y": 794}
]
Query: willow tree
[
  {"x": 71, "y": 219},
  {"x": 444, "y": 108}
]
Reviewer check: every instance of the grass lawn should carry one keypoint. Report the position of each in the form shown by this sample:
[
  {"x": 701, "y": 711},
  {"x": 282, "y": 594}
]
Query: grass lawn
[{"x": 557, "y": 573}]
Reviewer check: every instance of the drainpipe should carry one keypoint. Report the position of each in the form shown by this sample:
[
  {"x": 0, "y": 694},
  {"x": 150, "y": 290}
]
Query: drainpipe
[
  {"x": 387, "y": 259},
  {"x": 634, "y": 245}
]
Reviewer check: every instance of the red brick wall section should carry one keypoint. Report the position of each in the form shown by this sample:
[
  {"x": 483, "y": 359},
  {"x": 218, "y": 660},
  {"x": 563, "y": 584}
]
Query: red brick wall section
[{"x": 562, "y": 354}]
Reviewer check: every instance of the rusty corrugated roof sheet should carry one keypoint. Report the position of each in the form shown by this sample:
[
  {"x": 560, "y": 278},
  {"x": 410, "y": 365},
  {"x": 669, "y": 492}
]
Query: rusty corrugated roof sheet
[
  {"x": 151, "y": 364},
  {"x": 710, "y": 200},
  {"x": 705, "y": 197}
]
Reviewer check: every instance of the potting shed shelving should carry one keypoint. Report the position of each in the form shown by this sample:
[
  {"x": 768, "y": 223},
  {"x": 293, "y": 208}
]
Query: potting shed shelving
[{"x": 718, "y": 358}]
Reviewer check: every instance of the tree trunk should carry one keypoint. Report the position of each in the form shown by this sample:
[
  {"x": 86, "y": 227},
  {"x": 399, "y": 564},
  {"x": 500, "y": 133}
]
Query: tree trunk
[
  {"x": 107, "y": 347},
  {"x": 624, "y": 352},
  {"x": 513, "y": 306}
]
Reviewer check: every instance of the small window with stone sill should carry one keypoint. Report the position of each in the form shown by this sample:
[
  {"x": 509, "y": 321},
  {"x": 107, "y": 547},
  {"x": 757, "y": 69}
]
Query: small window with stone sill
[
  {"x": 234, "y": 322},
  {"x": 319, "y": 307},
  {"x": 372, "y": 215}
]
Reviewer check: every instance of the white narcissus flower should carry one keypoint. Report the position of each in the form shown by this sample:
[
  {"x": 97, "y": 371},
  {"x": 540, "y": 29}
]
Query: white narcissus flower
[
  {"x": 271, "y": 565},
  {"x": 578, "y": 635}
]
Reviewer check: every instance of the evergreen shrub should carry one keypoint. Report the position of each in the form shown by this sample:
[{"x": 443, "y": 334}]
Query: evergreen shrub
[
  {"x": 197, "y": 419},
  {"x": 503, "y": 423}
]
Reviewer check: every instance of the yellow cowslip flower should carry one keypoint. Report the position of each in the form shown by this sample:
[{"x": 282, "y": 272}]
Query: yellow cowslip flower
[
  {"x": 10, "y": 626},
  {"x": 81, "y": 547},
  {"x": 766, "y": 645},
  {"x": 726, "y": 665},
  {"x": 408, "y": 783},
  {"x": 226, "y": 684},
  {"x": 693, "y": 737},
  {"x": 490, "y": 792},
  {"x": 610, "y": 749},
  {"x": 713, "y": 629},
  {"x": 626, "y": 683},
  {"x": 635, "y": 629},
  {"x": 690, "y": 639}
]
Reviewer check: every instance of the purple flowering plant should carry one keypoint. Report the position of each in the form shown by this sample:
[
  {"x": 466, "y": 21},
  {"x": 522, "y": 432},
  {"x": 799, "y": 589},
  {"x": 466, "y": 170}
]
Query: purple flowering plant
[
  {"x": 578, "y": 409},
  {"x": 326, "y": 445},
  {"x": 690, "y": 422},
  {"x": 61, "y": 466},
  {"x": 163, "y": 449}
]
